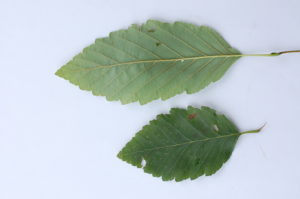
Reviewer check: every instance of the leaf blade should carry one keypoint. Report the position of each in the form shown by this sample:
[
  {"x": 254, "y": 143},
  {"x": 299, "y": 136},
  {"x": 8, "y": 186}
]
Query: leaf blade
[
  {"x": 186, "y": 143},
  {"x": 143, "y": 63}
]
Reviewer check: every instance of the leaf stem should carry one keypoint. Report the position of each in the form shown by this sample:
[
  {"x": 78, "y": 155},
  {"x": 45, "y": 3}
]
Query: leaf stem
[
  {"x": 254, "y": 131},
  {"x": 285, "y": 52},
  {"x": 273, "y": 53}
]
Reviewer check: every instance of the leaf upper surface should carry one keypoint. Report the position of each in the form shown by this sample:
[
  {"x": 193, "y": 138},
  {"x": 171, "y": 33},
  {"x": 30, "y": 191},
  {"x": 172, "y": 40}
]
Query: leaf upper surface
[
  {"x": 186, "y": 143},
  {"x": 151, "y": 61}
]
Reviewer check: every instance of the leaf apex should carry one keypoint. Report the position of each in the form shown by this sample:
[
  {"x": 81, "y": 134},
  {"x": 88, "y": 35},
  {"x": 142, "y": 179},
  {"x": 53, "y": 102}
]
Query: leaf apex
[{"x": 58, "y": 73}]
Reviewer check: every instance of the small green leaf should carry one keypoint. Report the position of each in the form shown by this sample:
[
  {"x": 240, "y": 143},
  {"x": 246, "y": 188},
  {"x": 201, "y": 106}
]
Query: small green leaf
[
  {"x": 186, "y": 143},
  {"x": 151, "y": 61}
]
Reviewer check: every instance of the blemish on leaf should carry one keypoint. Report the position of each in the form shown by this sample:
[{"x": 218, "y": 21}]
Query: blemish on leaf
[
  {"x": 157, "y": 43},
  {"x": 216, "y": 127},
  {"x": 143, "y": 163},
  {"x": 192, "y": 116},
  {"x": 151, "y": 30}
]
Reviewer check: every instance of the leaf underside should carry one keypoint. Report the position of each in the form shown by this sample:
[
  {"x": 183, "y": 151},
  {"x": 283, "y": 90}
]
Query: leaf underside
[
  {"x": 186, "y": 143},
  {"x": 151, "y": 61}
]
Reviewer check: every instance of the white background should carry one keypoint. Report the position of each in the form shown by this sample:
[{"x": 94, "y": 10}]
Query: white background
[{"x": 59, "y": 142}]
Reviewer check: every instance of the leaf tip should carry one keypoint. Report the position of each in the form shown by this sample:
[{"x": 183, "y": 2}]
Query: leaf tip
[
  {"x": 59, "y": 73},
  {"x": 119, "y": 155}
]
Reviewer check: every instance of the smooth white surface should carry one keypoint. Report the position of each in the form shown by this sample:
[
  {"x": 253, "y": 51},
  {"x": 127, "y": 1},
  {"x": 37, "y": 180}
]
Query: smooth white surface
[{"x": 59, "y": 142}]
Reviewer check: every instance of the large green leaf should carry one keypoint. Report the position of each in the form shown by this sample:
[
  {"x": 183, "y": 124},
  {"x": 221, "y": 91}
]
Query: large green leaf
[
  {"x": 151, "y": 61},
  {"x": 183, "y": 144}
]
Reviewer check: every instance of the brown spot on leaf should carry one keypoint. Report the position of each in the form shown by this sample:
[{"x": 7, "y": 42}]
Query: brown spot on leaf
[
  {"x": 151, "y": 30},
  {"x": 192, "y": 116}
]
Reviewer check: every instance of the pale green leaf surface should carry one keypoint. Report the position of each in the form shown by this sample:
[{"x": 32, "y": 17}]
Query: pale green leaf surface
[
  {"x": 151, "y": 61},
  {"x": 186, "y": 143}
]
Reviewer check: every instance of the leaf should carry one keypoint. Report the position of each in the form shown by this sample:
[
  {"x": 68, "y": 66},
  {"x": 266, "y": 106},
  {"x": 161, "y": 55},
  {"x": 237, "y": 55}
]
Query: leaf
[
  {"x": 183, "y": 144},
  {"x": 151, "y": 61}
]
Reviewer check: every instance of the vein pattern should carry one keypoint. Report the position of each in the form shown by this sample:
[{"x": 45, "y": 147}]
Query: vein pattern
[
  {"x": 186, "y": 143},
  {"x": 151, "y": 61}
]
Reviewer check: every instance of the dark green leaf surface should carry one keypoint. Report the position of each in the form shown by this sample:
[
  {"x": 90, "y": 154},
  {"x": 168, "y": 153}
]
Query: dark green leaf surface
[
  {"x": 186, "y": 143},
  {"x": 151, "y": 61}
]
